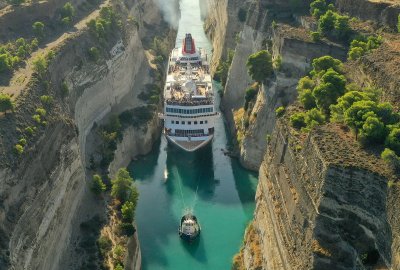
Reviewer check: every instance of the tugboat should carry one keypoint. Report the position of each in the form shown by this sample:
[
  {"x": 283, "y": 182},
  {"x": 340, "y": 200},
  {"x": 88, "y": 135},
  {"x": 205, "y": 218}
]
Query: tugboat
[{"x": 189, "y": 228}]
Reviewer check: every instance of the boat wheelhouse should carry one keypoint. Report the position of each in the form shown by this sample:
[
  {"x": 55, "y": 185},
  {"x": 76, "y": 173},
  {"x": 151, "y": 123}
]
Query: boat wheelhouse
[{"x": 189, "y": 110}]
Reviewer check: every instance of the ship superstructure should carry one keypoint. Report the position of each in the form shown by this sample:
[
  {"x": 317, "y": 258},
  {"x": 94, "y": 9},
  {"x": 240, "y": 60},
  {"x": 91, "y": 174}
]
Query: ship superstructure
[{"x": 189, "y": 111}]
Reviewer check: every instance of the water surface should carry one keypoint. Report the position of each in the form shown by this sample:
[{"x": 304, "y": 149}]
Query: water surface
[{"x": 169, "y": 180}]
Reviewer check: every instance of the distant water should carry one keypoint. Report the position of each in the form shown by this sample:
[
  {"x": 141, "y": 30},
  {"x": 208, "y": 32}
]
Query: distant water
[{"x": 168, "y": 178}]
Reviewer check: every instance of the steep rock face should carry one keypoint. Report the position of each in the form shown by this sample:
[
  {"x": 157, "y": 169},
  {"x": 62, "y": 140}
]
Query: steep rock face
[
  {"x": 296, "y": 51},
  {"x": 46, "y": 197},
  {"x": 221, "y": 25},
  {"x": 317, "y": 211},
  {"x": 383, "y": 12}
]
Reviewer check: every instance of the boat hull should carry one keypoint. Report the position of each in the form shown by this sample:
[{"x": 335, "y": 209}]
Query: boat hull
[{"x": 189, "y": 146}]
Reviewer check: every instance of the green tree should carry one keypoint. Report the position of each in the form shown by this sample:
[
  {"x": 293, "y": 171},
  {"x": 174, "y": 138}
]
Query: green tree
[
  {"x": 38, "y": 29},
  {"x": 331, "y": 88},
  {"x": 358, "y": 112},
  {"x": 19, "y": 149},
  {"x": 356, "y": 53},
  {"x": 121, "y": 185},
  {"x": 373, "y": 130},
  {"x": 326, "y": 62},
  {"x": 98, "y": 185},
  {"x": 128, "y": 211},
  {"x": 316, "y": 36},
  {"x": 68, "y": 10},
  {"x": 260, "y": 65},
  {"x": 326, "y": 22},
  {"x": 105, "y": 244},
  {"x": 307, "y": 99},
  {"x": 393, "y": 140},
  {"x": 5, "y": 103},
  {"x": 342, "y": 27},
  {"x": 5, "y": 62},
  {"x": 344, "y": 103},
  {"x": 314, "y": 117},
  {"x": 318, "y": 8},
  {"x": 119, "y": 267},
  {"x": 298, "y": 120}
]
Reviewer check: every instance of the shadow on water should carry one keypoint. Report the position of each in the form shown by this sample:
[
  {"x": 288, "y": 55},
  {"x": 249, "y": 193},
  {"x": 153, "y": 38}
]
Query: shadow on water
[
  {"x": 194, "y": 170},
  {"x": 196, "y": 249}
]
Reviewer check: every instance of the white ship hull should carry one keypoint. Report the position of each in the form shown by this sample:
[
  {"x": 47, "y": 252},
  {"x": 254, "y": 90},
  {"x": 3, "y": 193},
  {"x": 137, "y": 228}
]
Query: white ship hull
[{"x": 189, "y": 145}]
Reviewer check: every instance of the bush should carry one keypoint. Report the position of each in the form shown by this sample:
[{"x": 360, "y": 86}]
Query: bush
[
  {"x": 22, "y": 142},
  {"x": 46, "y": 100},
  {"x": 280, "y": 111},
  {"x": 221, "y": 74},
  {"x": 319, "y": 7},
  {"x": 5, "y": 62},
  {"x": 128, "y": 211},
  {"x": 119, "y": 267},
  {"x": 122, "y": 187},
  {"x": 19, "y": 149},
  {"x": 42, "y": 112},
  {"x": 324, "y": 63},
  {"x": 94, "y": 54},
  {"x": 361, "y": 45},
  {"x": 98, "y": 185},
  {"x": 251, "y": 93},
  {"x": 5, "y": 103},
  {"x": 390, "y": 157},
  {"x": 127, "y": 228},
  {"x": 307, "y": 99},
  {"x": 105, "y": 244},
  {"x": 316, "y": 36},
  {"x": 30, "y": 130},
  {"x": 40, "y": 65},
  {"x": 332, "y": 86},
  {"x": 398, "y": 23},
  {"x": 64, "y": 88},
  {"x": 373, "y": 130},
  {"x": 298, "y": 120},
  {"x": 260, "y": 65},
  {"x": 119, "y": 253},
  {"x": 344, "y": 103},
  {"x": 67, "y": 11},
  {"x": 314, "y": 117},
  {"x": 38, "y": 29},
  {"x": 242, "y": 15},
  {"x": 393, "y": 140}
]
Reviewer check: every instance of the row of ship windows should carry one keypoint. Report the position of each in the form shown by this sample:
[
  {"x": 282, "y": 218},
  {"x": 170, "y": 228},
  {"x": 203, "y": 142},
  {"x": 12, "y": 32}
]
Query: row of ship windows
[
  {"x": 189, "y": 58},
  {"x": 189, "y": 122},
  {"x": 195, "y": 111}
]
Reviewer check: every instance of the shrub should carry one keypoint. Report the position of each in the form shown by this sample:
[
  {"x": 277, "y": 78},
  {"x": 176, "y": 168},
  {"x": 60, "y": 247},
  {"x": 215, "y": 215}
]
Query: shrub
[
  {"x": 398, "y": 23},
  {"x": 390, "y": 157},
  {"x": 314, "y": 117},
  {"x": 393, "y": 140},
  {"x": 319, "y": 7},
  {"x": 332, "y": 86},
  {"x": 98, "y": 185},
  {"x": 40, "y": 65},
  {"x": 68, "y": 11},
  {"x": 38, "y": 29},
  {"x": 5, "y": 103},
  {"x": 280, "y": 111},
  {"x": 251, "y": 93},
  {"x": 105, "y": 244},
  {"x": 127, "y": 228},
  {"x": 316, "y": 36},
  {"x": 373, "y": 130},
  {"x": 94, "y": 54},
  {"x": 344, "y": 103},
  {"x": 326, "y": 62},
  {"x": 30, "y": 130},
  {"x": 5, "y": 62},
  {"x": 260, "y": 65},
  {"x": 298, "y": 120},
  {"x": 119, "y": 253},
  {"x": 122, "y": 187},
  {"x": 46, "y": 100},
  {"x": 242, "y": 15},
  {"x": 22, "y": 142},
  {"x": 221, "y": 74},
  {"x": 307, "y": 99},
  {"x": 36, "y": 118},
  {"x": 356, "y": 53},
  {"x": 42, "y": 112},
  {"x": 19, "y": 149},
  {"x": 119, "y": 267},
  {"x": 128, "y": 211},
  {"x": 64, "y": 88}
]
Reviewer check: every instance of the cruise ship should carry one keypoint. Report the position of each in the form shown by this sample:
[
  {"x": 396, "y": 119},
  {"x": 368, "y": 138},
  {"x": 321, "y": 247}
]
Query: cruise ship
[{"x": 189, "y": 112}]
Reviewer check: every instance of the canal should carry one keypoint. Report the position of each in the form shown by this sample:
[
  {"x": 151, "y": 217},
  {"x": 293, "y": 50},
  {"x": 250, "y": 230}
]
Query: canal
[{"x": 169, "y": 180}]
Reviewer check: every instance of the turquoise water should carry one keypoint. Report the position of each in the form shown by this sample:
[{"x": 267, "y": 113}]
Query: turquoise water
[{"x": 167, "y": 180}]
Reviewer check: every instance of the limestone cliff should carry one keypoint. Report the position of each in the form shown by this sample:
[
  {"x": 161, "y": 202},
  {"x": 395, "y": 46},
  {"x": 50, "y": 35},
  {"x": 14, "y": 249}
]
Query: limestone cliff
[
  {"x": 320, "y": 205},
  {"x": 44, "y": 194}
]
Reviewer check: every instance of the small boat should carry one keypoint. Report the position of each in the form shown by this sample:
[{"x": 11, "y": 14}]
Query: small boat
[{"x": 189, "y": 228}]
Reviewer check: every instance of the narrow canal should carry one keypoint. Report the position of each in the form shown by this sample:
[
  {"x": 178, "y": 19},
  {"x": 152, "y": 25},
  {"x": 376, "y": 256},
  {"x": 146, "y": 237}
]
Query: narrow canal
[{"x": 168, "y": 178}]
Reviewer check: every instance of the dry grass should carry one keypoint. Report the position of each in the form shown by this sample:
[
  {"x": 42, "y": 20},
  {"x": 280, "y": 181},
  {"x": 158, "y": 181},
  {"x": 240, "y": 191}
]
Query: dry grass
[
  {"x": 318, "y": 249},
  {"x": 238, "y": 117}
]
